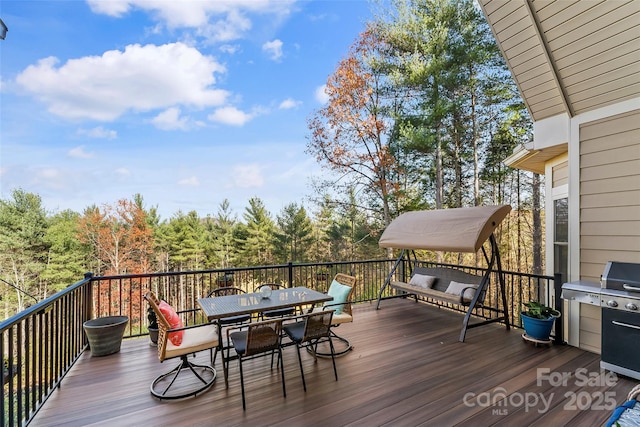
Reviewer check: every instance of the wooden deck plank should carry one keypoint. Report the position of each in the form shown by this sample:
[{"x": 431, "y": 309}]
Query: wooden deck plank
[{"x": 407, "y": 369}]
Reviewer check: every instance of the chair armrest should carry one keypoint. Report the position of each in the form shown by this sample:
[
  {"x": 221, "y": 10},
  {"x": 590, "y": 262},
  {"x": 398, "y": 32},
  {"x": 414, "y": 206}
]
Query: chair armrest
[
  {"x": 346, "y": 306},
  {"x": 190, "y": 315},
  {"x": 191, "y": 310},
  {"x": 462, "y": 299},
  {"x": 337, "y": 303}
]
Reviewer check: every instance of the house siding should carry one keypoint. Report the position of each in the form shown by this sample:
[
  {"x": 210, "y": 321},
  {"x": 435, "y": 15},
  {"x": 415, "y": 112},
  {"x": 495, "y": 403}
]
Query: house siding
[
  {"x": 560, "y": 174},
  {"x": 609, "y": 205},
  {"x": 609, "y": 193}
]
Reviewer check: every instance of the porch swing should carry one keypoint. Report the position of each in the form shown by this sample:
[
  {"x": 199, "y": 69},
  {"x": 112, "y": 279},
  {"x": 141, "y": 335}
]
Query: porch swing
[{"x": 465, "y": 230}]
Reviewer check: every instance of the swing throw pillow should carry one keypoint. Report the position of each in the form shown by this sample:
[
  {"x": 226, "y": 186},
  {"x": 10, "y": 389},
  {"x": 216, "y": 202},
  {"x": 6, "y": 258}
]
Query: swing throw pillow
[
  {"x": 422, "y": 280},
  {"x": 456, "y": 288}
]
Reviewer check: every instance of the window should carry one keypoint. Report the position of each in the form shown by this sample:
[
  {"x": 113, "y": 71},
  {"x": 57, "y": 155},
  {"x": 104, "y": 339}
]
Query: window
[{"x": 561, "y": 237}]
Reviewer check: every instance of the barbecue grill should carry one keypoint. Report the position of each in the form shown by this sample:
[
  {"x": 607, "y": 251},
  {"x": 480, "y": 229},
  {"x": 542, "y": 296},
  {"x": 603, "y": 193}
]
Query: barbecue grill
[
  {"x": 620, "y": 318},
  {"x": 619, "y": 298}
]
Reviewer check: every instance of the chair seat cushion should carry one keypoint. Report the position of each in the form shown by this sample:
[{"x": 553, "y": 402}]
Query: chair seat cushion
[
  {"x": 295, "y": 331},
  {"x": 235, "y": 319},
  {"x": 263, "y": 338},
  {"x": 278, "y": 313},
  {"x": 193, "y": 340},
  {"x": 337, "y": 319},
  {"x": 174, "y": 321},
  {"x": 239, "y": 340}
]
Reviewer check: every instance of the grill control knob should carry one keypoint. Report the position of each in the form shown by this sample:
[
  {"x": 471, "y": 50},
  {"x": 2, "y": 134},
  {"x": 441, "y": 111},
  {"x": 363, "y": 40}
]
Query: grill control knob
[
  {"x": 631, "y": 306},
  {"x": 612, "y": 303}
]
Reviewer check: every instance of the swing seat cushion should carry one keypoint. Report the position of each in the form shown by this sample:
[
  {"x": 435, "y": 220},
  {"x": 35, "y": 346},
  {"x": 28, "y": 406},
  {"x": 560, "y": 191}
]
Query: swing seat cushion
[{"x": 447, "y": 285}]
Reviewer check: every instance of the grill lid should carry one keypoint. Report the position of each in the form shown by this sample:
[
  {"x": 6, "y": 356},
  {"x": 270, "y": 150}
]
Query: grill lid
[{"x": 622, "y": 276}]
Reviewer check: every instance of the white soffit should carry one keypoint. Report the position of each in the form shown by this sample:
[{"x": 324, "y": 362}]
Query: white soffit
[
  {"x": 569, "y": 56},
  {"x": 534, "y": 160}
]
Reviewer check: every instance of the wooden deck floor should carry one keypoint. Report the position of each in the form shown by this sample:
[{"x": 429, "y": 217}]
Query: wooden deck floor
[{"x": 407, "y": 369}]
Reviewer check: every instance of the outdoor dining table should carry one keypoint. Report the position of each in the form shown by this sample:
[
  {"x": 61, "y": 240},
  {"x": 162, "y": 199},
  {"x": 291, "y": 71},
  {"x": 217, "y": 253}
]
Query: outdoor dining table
[{"x": 216, "y": 308}]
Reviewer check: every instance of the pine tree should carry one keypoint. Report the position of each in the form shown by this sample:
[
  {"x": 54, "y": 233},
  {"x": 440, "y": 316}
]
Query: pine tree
[
  {"x": 293, "y": 237},
  {"x": 255, "y": 239}
]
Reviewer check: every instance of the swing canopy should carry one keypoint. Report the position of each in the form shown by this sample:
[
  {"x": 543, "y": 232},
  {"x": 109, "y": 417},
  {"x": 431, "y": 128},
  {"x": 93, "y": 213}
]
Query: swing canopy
[{"x": 450, "y": 230}]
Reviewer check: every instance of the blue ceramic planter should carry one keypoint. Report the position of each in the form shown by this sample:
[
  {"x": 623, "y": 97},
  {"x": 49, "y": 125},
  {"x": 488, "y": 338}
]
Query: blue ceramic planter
[{"x": 539, "y": 329}]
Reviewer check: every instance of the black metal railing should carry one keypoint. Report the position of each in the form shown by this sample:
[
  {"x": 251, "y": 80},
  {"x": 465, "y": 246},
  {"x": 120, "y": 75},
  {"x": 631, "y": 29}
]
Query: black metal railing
[{"x": 41, "y": 344}]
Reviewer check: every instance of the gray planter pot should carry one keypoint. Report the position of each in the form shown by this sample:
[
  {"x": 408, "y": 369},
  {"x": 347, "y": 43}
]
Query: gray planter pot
[
  {"x": 105, "y": 334},
  {"x": 153, "y": 336}
]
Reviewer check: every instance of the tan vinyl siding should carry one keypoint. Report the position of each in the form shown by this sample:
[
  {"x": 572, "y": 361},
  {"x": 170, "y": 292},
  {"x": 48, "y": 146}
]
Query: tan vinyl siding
[
  {"x": 609, "y": 205},
  {"x": 609, "y": 193},
  {"x": 561, "y": 174}
]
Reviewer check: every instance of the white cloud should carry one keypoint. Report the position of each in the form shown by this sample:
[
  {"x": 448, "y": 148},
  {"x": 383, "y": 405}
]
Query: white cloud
[
  {"x": 230, "y": 116},
  {"x": 273, "y": 49},
  {"x": 79, "y": 153},
  {"x": 114, "y": 8},
  {"x": 99, "y": 133},
  {"x": 247, "y": 176},
  {"x": 218, "y": 20},
  {"x": 321, "y": 94},
  {"x": 142, "y": 78},
  {"x": 231, "y": 49},
  {"x": 231, "y": 27},
  {"x": 289, "y": 103},
  {"x": 192, "y": 181},
  {"x": 170, "y": 119}
]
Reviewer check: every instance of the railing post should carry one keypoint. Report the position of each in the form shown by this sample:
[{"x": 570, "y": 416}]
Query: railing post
[
  {"x": 290, "y": 270},
  {"x": 557, "y": 302},
  {"x": 88, "y": 302}
]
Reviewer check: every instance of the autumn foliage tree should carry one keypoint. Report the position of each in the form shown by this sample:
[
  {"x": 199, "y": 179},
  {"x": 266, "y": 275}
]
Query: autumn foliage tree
[
  {"x": 120, "y": 236},
  {"x": 122, "y": 243},
  {"x": 351, "y": 134}
]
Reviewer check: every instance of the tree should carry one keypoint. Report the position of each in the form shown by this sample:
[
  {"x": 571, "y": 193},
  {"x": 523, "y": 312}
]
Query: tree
[
  {"x": 351, "y": 135},
  {"x": 444, "y": 60},
  {"x": 119, "y": 235},
  {"x": 23, "y": 248},
  {"x": 255, "y": 238},
  {"x": 67, "y": 256},
  {"x": 185, "y": 233},
  {"x": 294, "y": 235},
  {"x": 324, "y": 218},
  {"x": 225, "y": 222}
]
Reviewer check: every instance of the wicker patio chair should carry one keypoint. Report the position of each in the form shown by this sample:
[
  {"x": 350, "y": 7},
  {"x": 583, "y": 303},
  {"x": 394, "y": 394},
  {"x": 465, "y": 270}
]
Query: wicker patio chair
[
  {"x": 176, "y": 341},
  {"x": 341, "y": 289},
  {"x": 256, "y": 340},
  {"x": 309, "y": 332},
  {"x": 228, "y": 321}
]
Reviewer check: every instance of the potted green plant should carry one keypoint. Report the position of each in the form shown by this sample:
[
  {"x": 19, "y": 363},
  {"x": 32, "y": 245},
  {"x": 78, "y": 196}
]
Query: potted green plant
[
  {"x": 538, "y": 320},
  {"x": 153, "y": 325},
  {"x": 225, "y": 280}
]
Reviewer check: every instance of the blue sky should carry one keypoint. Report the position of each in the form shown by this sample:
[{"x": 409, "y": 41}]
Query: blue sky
[{"x": 186, "y": 103}]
